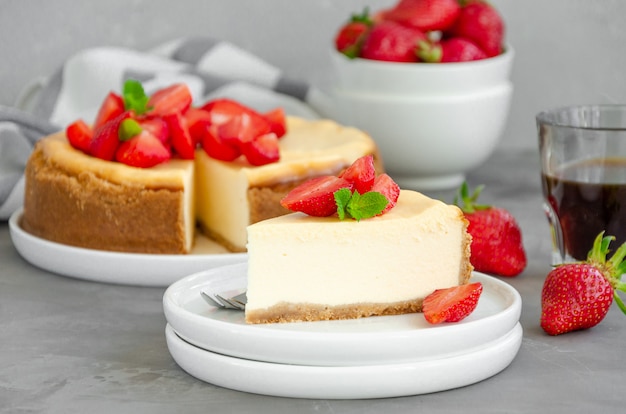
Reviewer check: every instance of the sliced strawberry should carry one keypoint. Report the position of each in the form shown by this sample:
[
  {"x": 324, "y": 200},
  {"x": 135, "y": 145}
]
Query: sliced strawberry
[
  {"x": 278, "y": 121},
  {"x": 143, "y": 150},
  {"x": 180, "y": 136},
  {"x": 213, "y": 145},
  {"x": 112, "y": 106},
  {"x": 157, "y": 127},
  {"x": 262, "y": 150},
  {"x": 361, "y": 174},
  {"x": 451, "y": 304},
  {"x": 194, "y": 117},
  {"x": 243, "y": 128},
  {"x": 106, "y": 139},
  {"x": 79, "y": 134},
  {"x": 315, "y": 197},
  {"x": 173, "y": 99},
  {"x": 385, "y": 185},
  {"x": 221, "y": 110}
]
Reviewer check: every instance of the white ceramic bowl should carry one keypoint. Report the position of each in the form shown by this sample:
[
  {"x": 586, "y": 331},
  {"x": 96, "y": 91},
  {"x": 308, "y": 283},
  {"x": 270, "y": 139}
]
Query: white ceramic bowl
[{"x": 433, "y": 122}]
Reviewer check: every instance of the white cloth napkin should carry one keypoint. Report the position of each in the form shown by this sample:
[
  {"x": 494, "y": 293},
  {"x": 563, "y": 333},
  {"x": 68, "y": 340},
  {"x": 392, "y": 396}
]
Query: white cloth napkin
[{"x": 211, "y": 68}]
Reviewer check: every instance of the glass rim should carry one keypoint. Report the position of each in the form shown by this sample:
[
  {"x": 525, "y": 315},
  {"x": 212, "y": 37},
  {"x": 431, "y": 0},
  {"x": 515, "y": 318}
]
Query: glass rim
[{"x": 547, "y": 117}]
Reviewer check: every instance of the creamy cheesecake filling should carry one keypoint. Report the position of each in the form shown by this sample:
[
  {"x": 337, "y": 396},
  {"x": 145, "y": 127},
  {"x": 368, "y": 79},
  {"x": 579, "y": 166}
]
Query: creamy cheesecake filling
[{"x": 419, "y": 246}]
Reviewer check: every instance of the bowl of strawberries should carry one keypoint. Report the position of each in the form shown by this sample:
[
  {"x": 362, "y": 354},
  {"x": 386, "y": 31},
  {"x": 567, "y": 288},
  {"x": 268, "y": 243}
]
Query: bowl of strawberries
[{"x": 429, "y": 80}]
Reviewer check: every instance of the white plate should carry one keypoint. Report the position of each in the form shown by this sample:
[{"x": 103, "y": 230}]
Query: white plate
[
  {"x": 366, "y": 341},
  {"x": 121, "y": 268},
  {"x": 373, "y": 381}
]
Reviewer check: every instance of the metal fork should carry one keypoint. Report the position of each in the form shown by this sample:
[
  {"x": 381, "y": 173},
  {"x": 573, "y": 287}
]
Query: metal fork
[{"x": 237, "y": 302}]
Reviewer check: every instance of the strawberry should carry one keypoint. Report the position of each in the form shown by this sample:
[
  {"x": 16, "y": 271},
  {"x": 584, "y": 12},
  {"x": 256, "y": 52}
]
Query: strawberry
[
  {"x": 213, "y": 145},
  {"x": 172, "y": 99},
  {"x": 385, "y": 185},
  {"x": 79, "y": 134},
  {"x": 361, "y": 174},
  {"x": 578, "y": 295},
  {"x": 111, "y": 107},
  {"x": 424, "y": 15},
  {"x": 194, "y": 116},
  {"x": 221, "y": 110},
  {"x": 452, "y": 304},
  {"x": 158, "y": 127},
  {"x": 351, "y": 35},
  {"x": 106, "y": 138},
  {"x": 277, "y": 120},
  {"x": 497, "y": 246},
  {"x": 316, "y": 197},
  {"x": 262, "y": 150},
  {"x": 392, "y": 42},
  {"x": 143, "y": 150},
  {"x": 455, "y": 49},
  {"x": 180, "y": 137},
  {"x": 480, "y": 22}
]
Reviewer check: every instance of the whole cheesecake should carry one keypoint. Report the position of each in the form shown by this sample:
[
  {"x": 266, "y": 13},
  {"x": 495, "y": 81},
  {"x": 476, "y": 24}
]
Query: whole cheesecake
[
  {"x": 304, "y": 268},
  {"x": 79, "y": 200}
]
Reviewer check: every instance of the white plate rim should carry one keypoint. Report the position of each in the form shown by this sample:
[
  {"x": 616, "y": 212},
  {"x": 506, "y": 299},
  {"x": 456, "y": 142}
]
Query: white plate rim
[
  {"x": 136, "y": 269},
  {"x": 281, "y": 345},
  {"x": 348, "y": 382}
]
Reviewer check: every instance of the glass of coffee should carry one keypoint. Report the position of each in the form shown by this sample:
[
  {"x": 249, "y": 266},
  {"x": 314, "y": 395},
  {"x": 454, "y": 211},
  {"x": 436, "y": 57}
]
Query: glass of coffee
[{"x": 583, "y": 167}]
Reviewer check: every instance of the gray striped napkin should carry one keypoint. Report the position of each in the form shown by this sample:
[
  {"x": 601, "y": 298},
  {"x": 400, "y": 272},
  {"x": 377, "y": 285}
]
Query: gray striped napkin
[{"x": 211, "y": 68}]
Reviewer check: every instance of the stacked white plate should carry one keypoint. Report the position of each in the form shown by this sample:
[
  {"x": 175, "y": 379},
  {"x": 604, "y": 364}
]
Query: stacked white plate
[{"x": 378, "y": 357}]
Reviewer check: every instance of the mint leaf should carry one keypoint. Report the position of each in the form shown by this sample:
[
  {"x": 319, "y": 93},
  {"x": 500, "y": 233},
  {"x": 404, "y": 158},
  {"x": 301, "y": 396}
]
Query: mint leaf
[
  {"x": 342, "y": 198},
  {"x": 128, "y": 129},
  {"x": 135, "y": 97},
  {"x": 367, "y": 205}
]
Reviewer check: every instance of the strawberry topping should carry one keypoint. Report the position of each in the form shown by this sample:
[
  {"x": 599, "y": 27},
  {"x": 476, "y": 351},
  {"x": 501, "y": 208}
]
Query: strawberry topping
[{"x": 452, "y": 304}]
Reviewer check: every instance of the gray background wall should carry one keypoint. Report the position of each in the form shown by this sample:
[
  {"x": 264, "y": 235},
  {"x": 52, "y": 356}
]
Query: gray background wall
[{"x": 567, "y": 51}]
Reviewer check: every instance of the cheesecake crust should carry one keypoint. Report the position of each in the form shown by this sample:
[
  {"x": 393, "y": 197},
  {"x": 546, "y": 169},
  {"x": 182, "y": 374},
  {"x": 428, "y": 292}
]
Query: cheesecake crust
[
  {"x": 85, "y": 210},
  {"x": 305, "y": 312}
]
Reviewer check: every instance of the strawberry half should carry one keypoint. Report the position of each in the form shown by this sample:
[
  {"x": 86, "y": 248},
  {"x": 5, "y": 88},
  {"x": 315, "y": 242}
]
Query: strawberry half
[
  {"x": 143, "y": 150},
  {"x": 385, "y": 185},
  {"x": 213, "y": 145},
  {"x": 361, "y": 174},
  {"x": 452, "y": 304},
  {"x": 106, "y": 138},
  {"x": 180, "y": 137},
  {"x": 172, "y": 99},
  {"x": 277, "y": 120},
  {"x": 578, "y": 295},
  {"x": 316, "y": 196},
  {"x": 111, "y": 107},
  {"x": 497, "y": 246},
  {"x": 262, "y": 150},
  {"x": 79, "y": 134},
  {"x": 157, "y": 127}
]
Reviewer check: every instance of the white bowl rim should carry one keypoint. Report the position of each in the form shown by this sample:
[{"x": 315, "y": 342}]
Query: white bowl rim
[{"x": 506, "y": 55}]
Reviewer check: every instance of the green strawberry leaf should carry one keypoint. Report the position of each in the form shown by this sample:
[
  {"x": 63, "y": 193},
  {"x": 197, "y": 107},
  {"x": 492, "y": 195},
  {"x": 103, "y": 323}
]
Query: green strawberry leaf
[
  {"x": 135, "y": 97},
  {"x": 128, "y": 129}
]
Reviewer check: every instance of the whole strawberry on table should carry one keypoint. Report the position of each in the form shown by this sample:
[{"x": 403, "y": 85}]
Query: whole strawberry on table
[
  {"x": 432, "y": 31},
  {"x": 578, "y": 295},
  {"x": 497, "y": 246}
]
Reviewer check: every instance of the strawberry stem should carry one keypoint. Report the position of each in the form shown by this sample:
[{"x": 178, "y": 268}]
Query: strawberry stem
[
  {"x": 469, "y": 201},
  {"x": 619, "y": 301}
]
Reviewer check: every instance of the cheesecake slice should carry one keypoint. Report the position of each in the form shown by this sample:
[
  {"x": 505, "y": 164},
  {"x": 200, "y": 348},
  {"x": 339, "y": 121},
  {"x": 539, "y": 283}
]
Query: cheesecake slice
[{"x": 303, "y": 268}]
